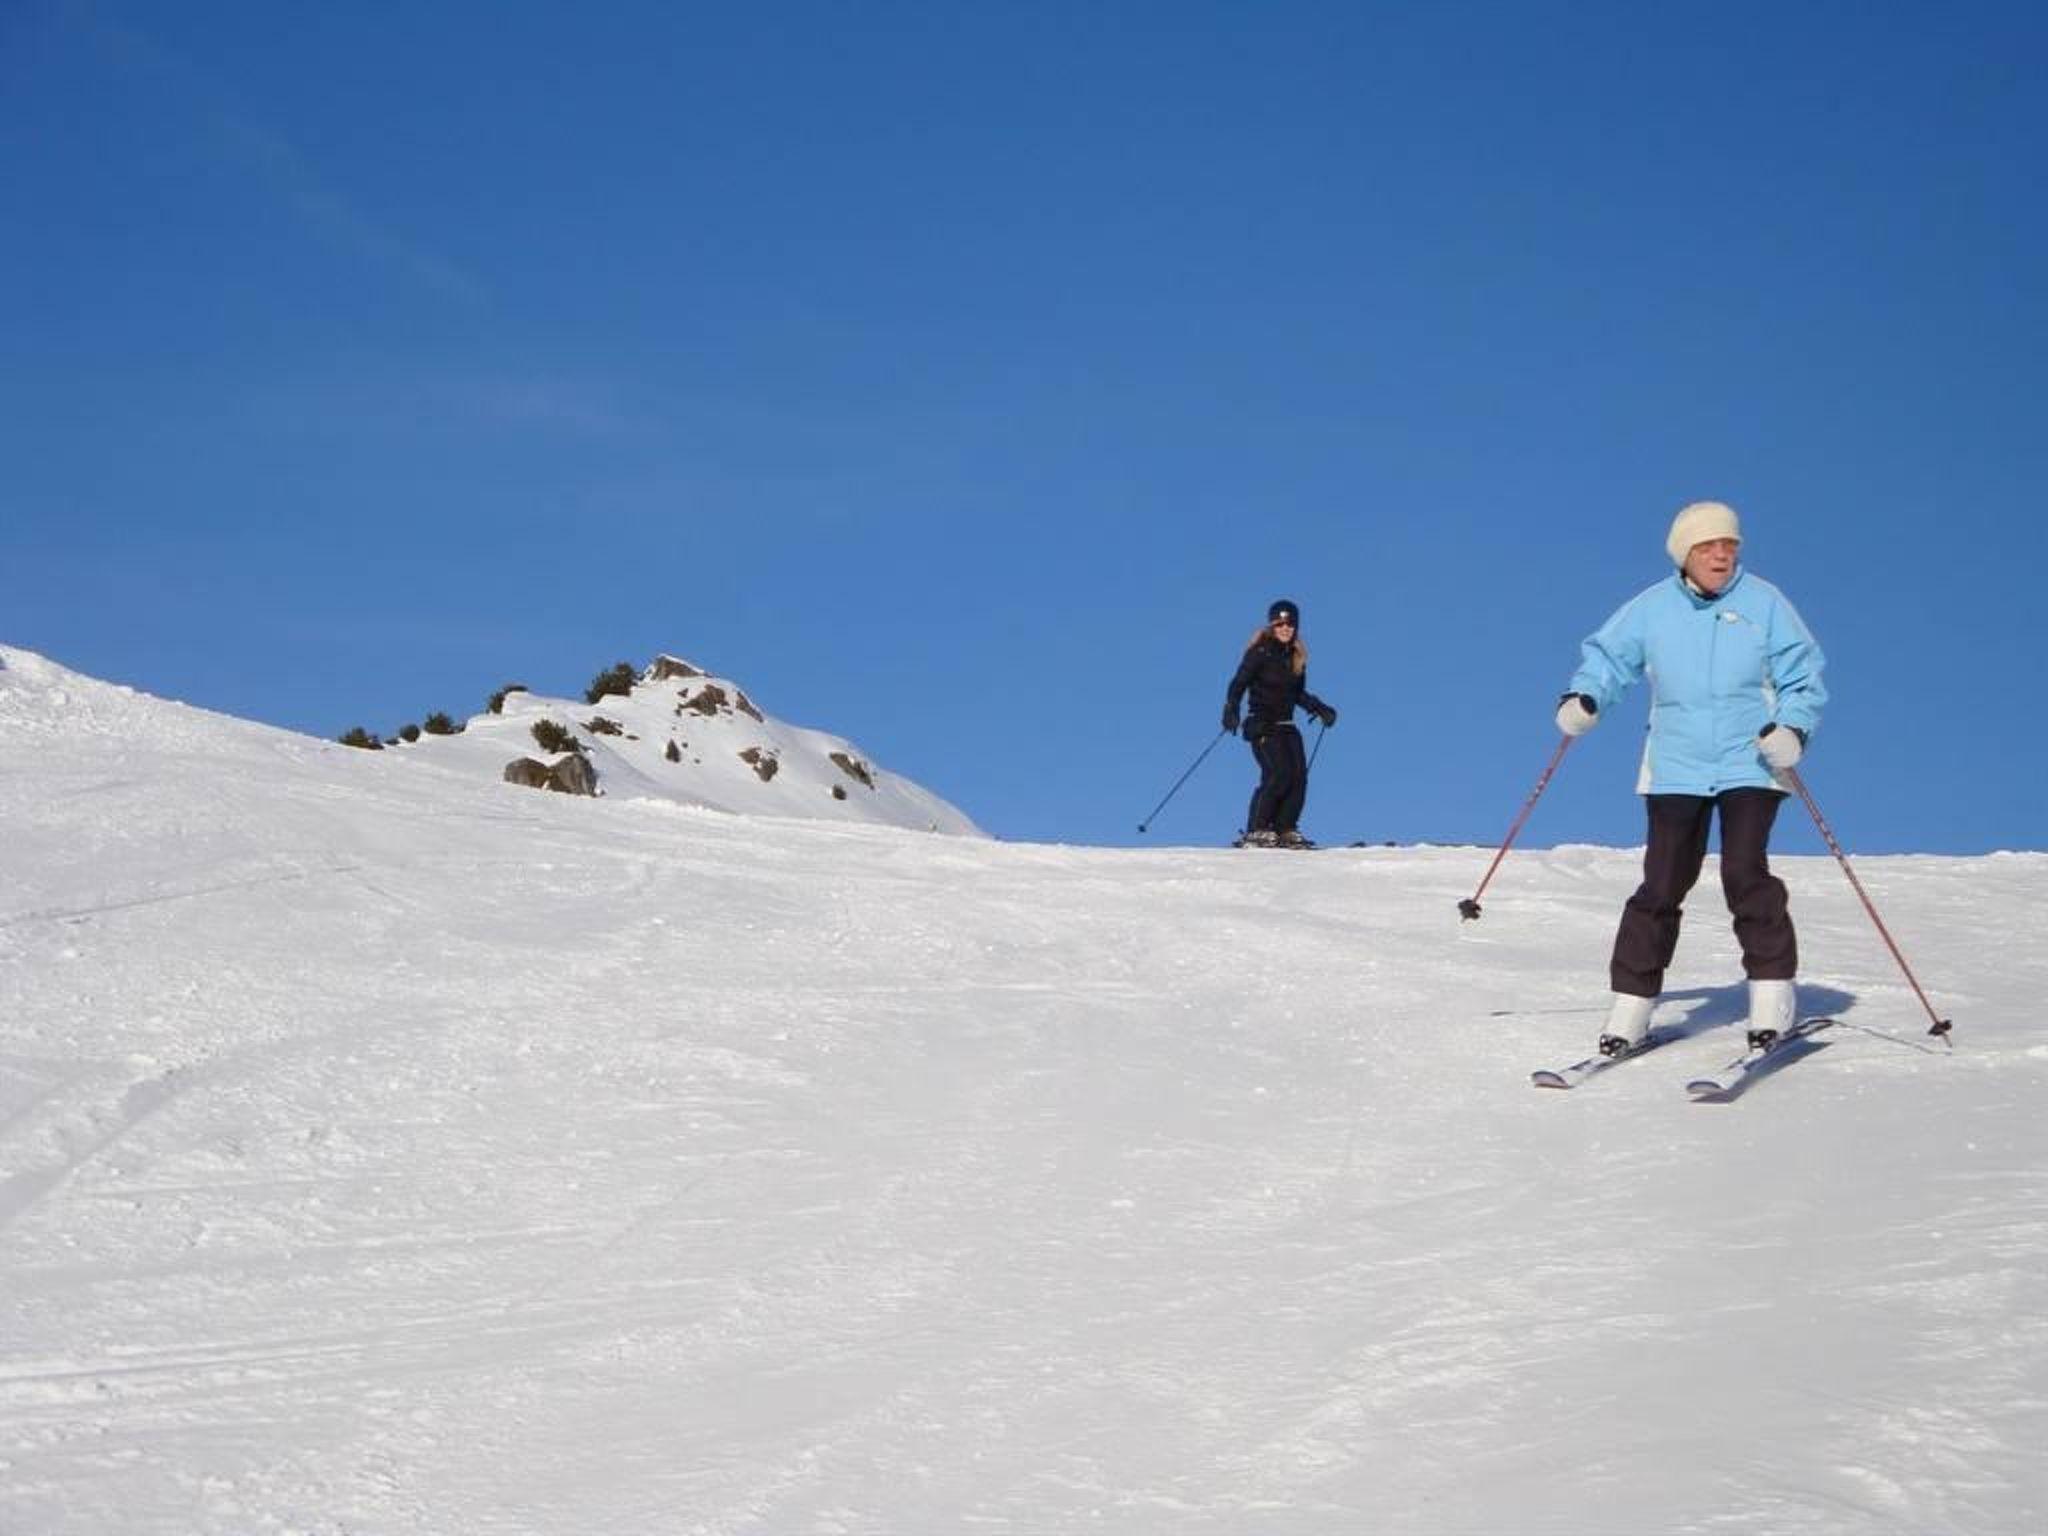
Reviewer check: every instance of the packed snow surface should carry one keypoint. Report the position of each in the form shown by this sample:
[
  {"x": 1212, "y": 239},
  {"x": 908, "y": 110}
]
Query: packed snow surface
[{"x": 384, "y": 1150}]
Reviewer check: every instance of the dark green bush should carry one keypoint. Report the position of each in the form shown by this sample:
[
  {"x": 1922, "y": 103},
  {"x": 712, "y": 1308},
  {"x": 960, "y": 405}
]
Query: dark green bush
[
  {"x": 408, "y": 733},
  {"x": 619, "y": 680},
  {"x": 554, "y": 737},
  {"x": 438, "y": 724},
  {"x": 356, "y": 736}
]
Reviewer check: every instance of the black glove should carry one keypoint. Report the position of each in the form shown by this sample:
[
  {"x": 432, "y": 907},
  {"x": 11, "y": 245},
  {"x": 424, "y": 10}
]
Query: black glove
[
  {"x": 1230, "y": 717},
  {"x": 1327, "y": 715}
]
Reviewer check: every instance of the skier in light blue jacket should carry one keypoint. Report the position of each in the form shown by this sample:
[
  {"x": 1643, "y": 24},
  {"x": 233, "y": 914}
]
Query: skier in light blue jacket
[{"x": 1735, "y": 695}]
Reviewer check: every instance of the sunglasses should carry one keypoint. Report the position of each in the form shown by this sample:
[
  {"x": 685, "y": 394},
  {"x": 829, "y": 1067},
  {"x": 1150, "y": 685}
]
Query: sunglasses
[{"x": 1283, "y": 623}]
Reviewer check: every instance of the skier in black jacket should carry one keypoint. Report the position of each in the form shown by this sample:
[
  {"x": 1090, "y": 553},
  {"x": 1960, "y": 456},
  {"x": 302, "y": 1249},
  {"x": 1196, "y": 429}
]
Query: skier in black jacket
[{"x": 1275, "y": 671}]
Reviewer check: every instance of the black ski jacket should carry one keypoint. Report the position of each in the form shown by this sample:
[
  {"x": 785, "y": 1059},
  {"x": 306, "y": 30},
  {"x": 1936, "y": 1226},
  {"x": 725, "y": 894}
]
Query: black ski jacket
[{"x": 1268, "y": 672}]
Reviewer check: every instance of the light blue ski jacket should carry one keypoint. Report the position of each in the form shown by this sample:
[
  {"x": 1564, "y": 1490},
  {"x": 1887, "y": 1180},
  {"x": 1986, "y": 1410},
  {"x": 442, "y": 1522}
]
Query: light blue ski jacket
[{"x": 1720, "y": 670}]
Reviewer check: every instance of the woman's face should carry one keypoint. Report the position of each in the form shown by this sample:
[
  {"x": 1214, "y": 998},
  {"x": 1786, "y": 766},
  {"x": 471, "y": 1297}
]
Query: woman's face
[
  {"x": 1283, "y": 629},
  {"x": 1711, "y": 566}
]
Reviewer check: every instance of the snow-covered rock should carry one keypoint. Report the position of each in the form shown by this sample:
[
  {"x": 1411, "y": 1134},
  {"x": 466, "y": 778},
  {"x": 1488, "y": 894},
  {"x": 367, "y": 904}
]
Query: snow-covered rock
[{"x": 685, "y": 735}]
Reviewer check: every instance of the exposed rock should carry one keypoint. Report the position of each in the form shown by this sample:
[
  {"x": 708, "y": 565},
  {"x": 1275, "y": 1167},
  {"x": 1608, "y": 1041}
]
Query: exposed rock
[
  {"x": 571, "y": 776},
  {"x": 708, "y": 700},
  {"x": 745, "y": 706},
  {"x": 666, "y": 667},
  {"x": 672, "y": 754},
  {"x": 854, "y": 768},
  {"x": 597, "y": 725},
  {"x": 528, "y": 774},
  {"x": 764, "y": 764},
  {"x": 574, "y": 776},
  {"x": 838, "y": 791}
]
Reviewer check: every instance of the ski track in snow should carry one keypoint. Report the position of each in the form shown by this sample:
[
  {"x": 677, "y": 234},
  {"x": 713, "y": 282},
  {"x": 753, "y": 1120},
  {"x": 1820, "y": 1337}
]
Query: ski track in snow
[{"x": 384, "y": 1153}]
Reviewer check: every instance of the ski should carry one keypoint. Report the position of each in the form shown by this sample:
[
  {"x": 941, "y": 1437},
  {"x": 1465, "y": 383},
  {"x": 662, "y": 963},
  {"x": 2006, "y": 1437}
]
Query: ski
[
  {"x": 1758, "y": 1062},
  {"x": 1592, "y": 1066}
]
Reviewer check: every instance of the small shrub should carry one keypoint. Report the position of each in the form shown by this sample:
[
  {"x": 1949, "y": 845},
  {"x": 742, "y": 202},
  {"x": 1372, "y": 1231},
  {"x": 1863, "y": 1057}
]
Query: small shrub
[
  {"x": 439, "y": 724},
  {"x": 408, "y": 733},
  {"x": 497, "y": 704},
  {"x": 598, "y": 725},
  {"x": 356, "y": 736},
  {"x": 619, "y": 680},
  {"x": 554, "y": 737}
]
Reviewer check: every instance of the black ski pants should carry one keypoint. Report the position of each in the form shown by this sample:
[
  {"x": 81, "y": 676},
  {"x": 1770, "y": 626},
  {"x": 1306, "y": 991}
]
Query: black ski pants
[
  {"x": 1648, "y": 935},
  {"x": 1283, "y": 780}
]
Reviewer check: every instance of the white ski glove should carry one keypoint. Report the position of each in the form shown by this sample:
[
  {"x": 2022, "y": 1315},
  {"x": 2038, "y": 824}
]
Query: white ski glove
[
  {"x": 1781, "y": 746},
  {"x": 1577, "y": 714}
]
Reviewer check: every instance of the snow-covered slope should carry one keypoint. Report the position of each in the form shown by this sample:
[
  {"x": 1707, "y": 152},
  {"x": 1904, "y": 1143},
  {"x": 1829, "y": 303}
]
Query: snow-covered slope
[
  {"x": 684, "y": 736},
  {"x": 384, "y": 1152}
]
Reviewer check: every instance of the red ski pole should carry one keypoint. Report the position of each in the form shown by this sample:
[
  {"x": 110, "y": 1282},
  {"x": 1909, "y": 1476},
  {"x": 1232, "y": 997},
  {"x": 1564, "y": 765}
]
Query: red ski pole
[
  {"x": 1469, "y": 907},
  {"x": 1941, "y": 1025}
]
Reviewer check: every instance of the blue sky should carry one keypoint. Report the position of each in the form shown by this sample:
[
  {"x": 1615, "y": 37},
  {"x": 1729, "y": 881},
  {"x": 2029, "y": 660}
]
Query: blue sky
[{"x": 967, "y": 378}]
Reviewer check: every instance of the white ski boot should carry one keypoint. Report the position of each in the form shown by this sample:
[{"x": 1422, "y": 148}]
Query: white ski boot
[
  {"x": 1773, "y": 1005},
  {"x": 1627, "y": 1023}
]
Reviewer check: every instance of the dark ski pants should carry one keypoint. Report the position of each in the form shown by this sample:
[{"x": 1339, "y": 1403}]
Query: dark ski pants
[
  {"x": 1283, "y": 780},
  {"x": 1648, "y": 935}
]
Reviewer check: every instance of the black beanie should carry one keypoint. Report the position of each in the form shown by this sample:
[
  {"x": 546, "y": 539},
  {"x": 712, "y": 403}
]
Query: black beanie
[{"x": 1283, "y": 608}]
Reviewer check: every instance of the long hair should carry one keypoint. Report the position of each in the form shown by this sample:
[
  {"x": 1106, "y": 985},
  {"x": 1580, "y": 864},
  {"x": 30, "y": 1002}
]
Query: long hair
[{"x": 1265, "y": 633}]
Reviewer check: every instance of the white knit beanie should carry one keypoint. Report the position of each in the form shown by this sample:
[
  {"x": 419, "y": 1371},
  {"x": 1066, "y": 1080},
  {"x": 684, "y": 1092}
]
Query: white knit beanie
[{"x": 1698, "y": 523}]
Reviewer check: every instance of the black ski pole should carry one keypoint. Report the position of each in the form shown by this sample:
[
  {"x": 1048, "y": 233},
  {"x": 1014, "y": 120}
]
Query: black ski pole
[
  {"x": 1147, "y": 822},
  {"x": 1469, "y": 907},
  {"x": 1940, "y": 1025},
  {"x": 1321, "y": 731}
]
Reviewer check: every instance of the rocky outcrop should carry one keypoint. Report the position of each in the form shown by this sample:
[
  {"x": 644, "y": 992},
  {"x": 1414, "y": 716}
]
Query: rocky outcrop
[
  {"x": 714, "y": 700},
  {"x": 854, "y": 768},
  {"x": 669, "y": 730},
  {"x": 708, "y": 700},
  {"x": 573, "y": 775}
]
